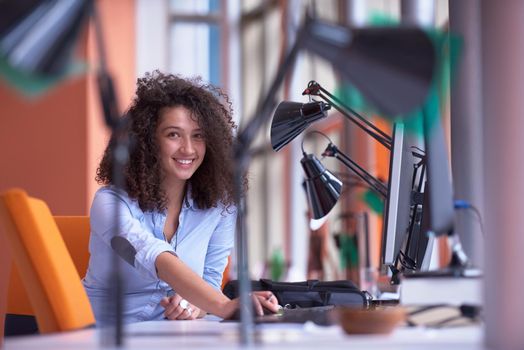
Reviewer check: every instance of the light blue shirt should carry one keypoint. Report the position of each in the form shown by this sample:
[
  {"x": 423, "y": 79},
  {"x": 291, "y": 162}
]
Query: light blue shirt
[{"x": 204, "y": 240}]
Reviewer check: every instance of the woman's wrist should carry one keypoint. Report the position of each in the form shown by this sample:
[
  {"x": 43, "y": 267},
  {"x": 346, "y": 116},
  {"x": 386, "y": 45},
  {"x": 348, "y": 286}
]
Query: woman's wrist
[{"x": 227, "y": 308}]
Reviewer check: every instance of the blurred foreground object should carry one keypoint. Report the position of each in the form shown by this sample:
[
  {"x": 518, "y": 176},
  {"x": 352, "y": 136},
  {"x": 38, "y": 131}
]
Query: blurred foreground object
[
  {"x": 379, "y": 320},
  {"x": 37, "y": 40}
]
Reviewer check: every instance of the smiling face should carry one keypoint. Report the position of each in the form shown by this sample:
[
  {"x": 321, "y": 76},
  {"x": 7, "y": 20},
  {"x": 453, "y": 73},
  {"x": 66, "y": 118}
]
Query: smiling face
[{"x": 181, "y": 144}]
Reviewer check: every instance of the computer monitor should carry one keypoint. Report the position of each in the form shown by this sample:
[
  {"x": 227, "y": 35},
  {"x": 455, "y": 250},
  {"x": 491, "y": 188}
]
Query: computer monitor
[
  {"x": 398, "y": 202},
  {"x": 433, "y": 216}
]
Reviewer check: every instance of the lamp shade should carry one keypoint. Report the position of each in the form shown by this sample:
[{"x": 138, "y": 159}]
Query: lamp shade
[
  {"x": 291, "y": 118},
  {"x": 322, "y": 187},
  {"x": 392, "y": 67}
]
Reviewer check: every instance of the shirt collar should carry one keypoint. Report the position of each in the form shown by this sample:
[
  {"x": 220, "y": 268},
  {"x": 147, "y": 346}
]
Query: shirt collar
[{"x": 188, "y": 202}]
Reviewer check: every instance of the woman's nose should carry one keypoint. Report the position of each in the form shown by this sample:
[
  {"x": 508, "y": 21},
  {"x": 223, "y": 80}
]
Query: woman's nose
[{"x": 187, "y": 145}]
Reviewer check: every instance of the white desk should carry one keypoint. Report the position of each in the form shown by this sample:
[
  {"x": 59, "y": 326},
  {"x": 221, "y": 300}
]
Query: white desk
[{"x": 209, "y": 334}]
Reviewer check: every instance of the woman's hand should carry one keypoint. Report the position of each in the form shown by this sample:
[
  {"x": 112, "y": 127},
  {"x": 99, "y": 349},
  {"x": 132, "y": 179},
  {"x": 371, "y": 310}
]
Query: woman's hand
[
  {"x": 177, "y": 308},
  {"x": 263, "y": 302}
]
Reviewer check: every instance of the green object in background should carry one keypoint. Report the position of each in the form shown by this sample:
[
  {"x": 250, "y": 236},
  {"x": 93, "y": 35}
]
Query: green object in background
[
  {"x": 348, "y": 251},
  {"x": 448, "y": 48},
  {"x": 277, "y": 265},
  {"x": 373, "y": 201},
  {"x": 32, "y": 86},
  {"x": 351, "y": 97}
]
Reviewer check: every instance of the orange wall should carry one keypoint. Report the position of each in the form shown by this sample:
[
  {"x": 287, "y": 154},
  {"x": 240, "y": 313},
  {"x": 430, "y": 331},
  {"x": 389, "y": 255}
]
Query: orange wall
[
  {"x": 118, "y": 21},
  {"x": 50, "y": 146},
  {"x": 43, "y": 145}
]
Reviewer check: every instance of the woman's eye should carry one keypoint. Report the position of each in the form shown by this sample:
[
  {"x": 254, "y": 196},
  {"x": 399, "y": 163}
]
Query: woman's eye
[
  {"x": 172, "y": 134},
  {"x": 198, "y": 136}
]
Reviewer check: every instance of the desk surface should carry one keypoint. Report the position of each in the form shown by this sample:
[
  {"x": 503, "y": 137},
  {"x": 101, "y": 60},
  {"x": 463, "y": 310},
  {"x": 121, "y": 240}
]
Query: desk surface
[{"x": 210, "y": 334}]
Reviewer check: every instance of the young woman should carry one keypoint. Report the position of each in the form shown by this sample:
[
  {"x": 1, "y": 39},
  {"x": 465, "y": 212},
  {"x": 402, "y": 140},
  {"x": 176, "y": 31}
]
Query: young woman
[{"x": 176, "y": 213}]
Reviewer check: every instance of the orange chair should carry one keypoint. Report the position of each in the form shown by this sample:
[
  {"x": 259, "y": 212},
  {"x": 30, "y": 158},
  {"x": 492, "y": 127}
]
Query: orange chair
[
  {"x": 75, "y": 233},
  {"x": 45, "y": 264},
  {"x": 226, "y": 275}
]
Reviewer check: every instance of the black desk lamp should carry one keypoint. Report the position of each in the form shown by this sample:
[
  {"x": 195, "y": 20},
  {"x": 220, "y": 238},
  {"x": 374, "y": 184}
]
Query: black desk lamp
[
  {"x": 292, "y": 118},
  {"x": 323, "y": 196},
  {"x": 322, "y": 187}
]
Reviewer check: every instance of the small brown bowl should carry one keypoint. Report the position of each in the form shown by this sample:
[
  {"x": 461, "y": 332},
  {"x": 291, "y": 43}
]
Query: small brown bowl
[{"x": 378, "y": 320}]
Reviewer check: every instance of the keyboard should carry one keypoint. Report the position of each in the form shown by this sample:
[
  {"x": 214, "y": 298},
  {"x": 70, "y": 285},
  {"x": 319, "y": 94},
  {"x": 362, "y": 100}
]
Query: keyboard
[{"x": 320, "y": 315}]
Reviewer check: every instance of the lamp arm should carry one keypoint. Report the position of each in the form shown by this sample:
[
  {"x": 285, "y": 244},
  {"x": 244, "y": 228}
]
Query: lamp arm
[
  {"x": 375, "y": 184},
  {"x": 386, "y": 142},
  {"x": 316, "y": 89},
  {"x": 356, "y": 114}
]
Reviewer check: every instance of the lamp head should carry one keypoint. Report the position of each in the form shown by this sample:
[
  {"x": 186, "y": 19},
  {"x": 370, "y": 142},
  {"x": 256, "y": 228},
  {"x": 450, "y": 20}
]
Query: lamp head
[
  {"x": 291, "y": 118},
  {"x": 392, "y": 67},
  {"x": 322, "y": 187}
]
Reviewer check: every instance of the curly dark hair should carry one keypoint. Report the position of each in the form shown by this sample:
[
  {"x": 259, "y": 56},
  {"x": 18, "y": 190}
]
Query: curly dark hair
[{"x": 212, "y": 182}]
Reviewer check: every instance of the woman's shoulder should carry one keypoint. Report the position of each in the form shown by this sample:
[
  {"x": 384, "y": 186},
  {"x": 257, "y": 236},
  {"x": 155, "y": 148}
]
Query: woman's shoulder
[
  {"x": 111, "y": 191},
  {"x": 111, "y": 194}
]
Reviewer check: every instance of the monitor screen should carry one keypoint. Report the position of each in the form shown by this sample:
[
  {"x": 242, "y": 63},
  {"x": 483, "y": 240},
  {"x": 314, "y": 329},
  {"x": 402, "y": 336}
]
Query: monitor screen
[
  {"x": 398, "y": 202},
  {"x": 434, "y": 213}
]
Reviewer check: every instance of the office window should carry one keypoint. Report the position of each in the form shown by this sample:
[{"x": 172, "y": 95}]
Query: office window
[
  {"x": 195, "y": 40},
  {"x": 194, "y": 7}
]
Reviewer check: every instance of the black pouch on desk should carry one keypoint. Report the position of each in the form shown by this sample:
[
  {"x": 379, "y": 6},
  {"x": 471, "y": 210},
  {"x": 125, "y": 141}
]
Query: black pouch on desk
[{"x": 307, "y": 293}]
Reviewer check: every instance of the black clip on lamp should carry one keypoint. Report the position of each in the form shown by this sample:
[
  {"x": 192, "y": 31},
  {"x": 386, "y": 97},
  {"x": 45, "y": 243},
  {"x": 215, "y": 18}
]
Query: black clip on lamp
[{"x": 322, "y": 187}]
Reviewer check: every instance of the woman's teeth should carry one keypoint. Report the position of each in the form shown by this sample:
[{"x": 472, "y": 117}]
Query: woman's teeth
[{"x": 185, "y": 161}]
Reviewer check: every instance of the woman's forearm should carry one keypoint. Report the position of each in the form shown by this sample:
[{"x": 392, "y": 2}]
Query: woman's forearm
[{"x": 192, "y": 287}]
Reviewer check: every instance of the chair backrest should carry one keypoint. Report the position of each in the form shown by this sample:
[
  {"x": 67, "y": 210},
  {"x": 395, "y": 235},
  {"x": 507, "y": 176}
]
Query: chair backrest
[
  {"x": 75, "y": 233},
  {"x": 46, "y": 268}
]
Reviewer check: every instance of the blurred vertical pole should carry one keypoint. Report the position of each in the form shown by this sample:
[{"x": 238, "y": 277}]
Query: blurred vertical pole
[
  {"x": 233, "y": 8},
  {"x": 356, "y": 13},
  {"x": 355, "y": 143},
  {"x": 416, "y": 12},
  {"x": 503, "y": 106},
  {"x": 299, "y": 241},
  {"x": 234, "y": 61},
  {"x": 112, "y": 335},
  {"x": 265, "y": 159},
  {"x": 422, "y": 14},
  {"x": 466, "y": 125}
]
